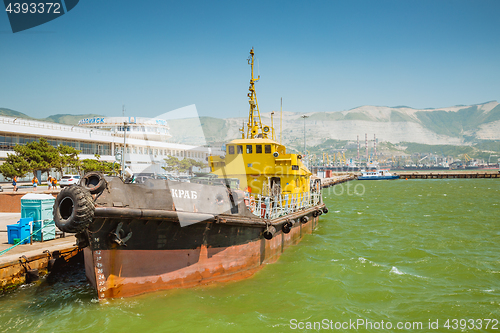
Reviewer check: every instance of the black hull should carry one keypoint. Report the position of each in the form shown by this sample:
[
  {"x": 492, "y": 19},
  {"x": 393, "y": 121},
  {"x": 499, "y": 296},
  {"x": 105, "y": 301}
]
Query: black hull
[
  {"x": 160, "y": 254},
  {"x": 132, "y": 246}
]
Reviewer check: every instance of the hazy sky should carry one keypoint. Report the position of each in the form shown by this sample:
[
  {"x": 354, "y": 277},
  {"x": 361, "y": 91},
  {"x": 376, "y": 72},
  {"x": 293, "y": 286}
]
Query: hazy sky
[{"x": 156, "y": 56}]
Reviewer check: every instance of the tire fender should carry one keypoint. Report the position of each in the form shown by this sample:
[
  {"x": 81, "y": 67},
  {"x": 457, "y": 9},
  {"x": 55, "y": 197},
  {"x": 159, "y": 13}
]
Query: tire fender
[
  {"x": 94, "y": 182},
  {"x": 73, "y": 209}
]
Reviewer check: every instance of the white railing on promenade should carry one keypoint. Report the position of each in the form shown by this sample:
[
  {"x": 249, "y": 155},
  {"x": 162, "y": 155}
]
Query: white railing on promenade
[{"x": 51, "y": 126}]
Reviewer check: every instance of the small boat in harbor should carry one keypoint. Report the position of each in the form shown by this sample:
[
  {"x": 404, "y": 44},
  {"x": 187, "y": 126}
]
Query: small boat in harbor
[
  {"x": 380, "y": 174},
  {"x": 163, "y": 234}
]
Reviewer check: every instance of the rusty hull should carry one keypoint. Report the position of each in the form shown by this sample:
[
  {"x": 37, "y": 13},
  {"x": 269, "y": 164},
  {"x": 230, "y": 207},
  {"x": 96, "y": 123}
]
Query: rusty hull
[
  {"x": 122, "y": 272},
  {"x": 162, "y": 235}
]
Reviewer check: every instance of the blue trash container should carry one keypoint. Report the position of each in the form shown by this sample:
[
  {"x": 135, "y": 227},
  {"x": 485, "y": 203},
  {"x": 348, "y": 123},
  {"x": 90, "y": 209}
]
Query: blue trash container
[{"x": 20, "y": 231}]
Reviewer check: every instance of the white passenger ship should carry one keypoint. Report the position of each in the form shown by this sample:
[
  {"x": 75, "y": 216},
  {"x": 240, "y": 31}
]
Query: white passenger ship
[{"x": 145, "y": 139}]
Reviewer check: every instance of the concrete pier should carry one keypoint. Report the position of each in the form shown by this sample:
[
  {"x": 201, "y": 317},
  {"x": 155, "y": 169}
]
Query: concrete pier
[
  {"x": 32, "y": 258},
  {"x": 446, "y": 175},
  {"x": 337, "y": 178}
]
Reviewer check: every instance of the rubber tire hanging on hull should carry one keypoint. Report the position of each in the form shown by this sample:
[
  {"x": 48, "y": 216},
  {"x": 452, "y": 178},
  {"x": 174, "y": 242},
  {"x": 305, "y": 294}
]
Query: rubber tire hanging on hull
[
  {"x": 73, "y": 209},
  {"x": 94, "y": 182}
]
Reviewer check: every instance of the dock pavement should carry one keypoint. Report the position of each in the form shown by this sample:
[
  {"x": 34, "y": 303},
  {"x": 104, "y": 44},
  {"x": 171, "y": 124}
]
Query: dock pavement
[{"x": 28, "y": 250}]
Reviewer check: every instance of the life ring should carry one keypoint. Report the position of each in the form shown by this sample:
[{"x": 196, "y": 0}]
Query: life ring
[{"x": 73, "y": 209}]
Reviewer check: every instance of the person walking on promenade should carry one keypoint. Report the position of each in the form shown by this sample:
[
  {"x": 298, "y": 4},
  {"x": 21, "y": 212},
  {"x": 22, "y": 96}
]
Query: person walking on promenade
[
  {"x": 49, "y": 182},
  {"x": 54, "y": 183},
  {"x": 14, "y": 183},
  {"x": 34, "y": 181}
]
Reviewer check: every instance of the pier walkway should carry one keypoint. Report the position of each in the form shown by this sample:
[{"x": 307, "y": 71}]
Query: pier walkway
[
  {"x": 338, "y": 178},
  {"x": 446, "y": 175}
]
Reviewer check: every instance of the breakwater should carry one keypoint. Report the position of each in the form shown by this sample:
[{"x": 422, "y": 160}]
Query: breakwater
[
  {"x": 446, "y": 175},
  {"x": 337, "y": 179}
]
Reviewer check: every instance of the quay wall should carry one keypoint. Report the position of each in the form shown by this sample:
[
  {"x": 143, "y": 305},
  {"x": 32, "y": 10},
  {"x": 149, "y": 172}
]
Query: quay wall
[
  {"x": 10, "y": 202},
  {"x": 447, "y": 175},
  {"x": 340, "y": 177},
  {"x": 29, "y": 268}
]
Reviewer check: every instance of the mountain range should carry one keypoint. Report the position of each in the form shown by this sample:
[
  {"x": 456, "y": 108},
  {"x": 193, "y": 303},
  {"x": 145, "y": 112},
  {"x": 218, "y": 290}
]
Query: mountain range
[
  {"x": 67, "y": 119},
  {"x": 456, "y": 125}
]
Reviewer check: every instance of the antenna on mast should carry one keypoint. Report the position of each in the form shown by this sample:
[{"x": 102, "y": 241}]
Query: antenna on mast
[
  {"x": 254, "y": 125},
  {"x": 273, "y": 137}
]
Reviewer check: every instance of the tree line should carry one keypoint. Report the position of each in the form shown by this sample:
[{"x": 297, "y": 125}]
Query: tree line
[
  {"x": 181, "y": 166},
  {"x": 41, "y": 155}
]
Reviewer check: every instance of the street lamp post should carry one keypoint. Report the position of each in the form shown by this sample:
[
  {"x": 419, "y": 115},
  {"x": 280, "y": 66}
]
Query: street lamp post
[
  {"x": 305, "y": 151},
  {"x": 124, "y": 144},
  {"x": 304, "y": 117}
]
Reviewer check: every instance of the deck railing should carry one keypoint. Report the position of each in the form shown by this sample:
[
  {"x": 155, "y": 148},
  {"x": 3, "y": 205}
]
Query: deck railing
[{"x": 271, "y": 207}]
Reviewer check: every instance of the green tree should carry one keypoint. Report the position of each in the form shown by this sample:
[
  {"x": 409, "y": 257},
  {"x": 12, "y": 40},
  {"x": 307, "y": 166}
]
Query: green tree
[
  {"x": 40, "y": 155},
  {"x": 36, "y": 155},
  {"x": 14, "y": 166},
  {"x": 68, "y": 156},
  {"x": 90, "y": 164},
  {"x": 194, "y": 163},
  {"x": 180, "y": 166},
  {"x": 172, "y": 163}
]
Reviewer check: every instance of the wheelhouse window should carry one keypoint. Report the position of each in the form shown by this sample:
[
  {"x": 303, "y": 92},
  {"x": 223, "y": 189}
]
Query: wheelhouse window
[
  {"x": 230, "y": 149},
  {"x": 268, "y": 149},
  {"x": 258, "y": 149},
  {"x": 239, "y": 149},
  {"x": 249, "y": 149}
]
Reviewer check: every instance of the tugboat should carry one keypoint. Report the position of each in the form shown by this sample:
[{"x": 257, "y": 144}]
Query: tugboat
[{"x": 164, "y": 234}]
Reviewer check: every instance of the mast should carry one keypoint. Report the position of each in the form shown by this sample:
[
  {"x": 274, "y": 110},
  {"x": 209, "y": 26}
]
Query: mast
[
  {"x": 281, "y": 118},
  {"x": 254, "y": 125},
  {"x": 366, "y": 146},
  {"x": 358, "y": 148}
]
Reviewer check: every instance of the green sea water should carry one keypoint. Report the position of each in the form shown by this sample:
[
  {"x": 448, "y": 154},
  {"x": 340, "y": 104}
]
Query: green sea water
[{"x": 416, "y": 253}]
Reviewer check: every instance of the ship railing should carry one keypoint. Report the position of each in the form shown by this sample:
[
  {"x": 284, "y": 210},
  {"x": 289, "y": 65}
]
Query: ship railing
[{"x": 271, "y": 207}]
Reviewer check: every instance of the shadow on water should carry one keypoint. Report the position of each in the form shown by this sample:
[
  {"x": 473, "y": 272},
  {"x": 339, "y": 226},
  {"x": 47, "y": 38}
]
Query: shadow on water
[{"x": 65, "y": 283}]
